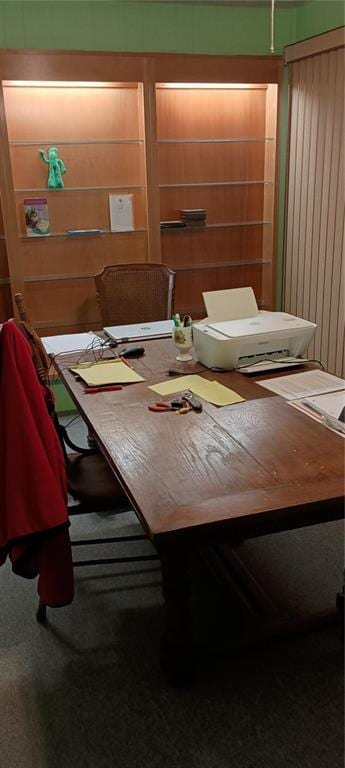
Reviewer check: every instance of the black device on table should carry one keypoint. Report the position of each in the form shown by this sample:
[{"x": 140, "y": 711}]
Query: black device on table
[{"x": 130, "y": 352}]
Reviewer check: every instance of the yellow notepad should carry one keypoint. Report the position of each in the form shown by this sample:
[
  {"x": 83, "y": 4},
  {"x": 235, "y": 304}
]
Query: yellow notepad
[
  {"x": 106, "y": 372},
  {"x": 212, "y": 391}
]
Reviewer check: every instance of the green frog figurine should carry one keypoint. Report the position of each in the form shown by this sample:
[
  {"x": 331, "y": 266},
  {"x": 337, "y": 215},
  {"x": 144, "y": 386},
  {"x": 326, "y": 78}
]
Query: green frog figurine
[{"x": 56, "y": 167}]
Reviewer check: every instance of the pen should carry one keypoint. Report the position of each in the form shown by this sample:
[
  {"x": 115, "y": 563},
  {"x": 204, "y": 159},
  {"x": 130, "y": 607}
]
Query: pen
[
  {"x": 334, "y": 424},
  {"x": 95, "y": 390},
  {"x": 328, "y": 421}
]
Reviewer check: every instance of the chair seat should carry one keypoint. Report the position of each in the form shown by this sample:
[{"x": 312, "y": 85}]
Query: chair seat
[{"x": 92, "y": 483}]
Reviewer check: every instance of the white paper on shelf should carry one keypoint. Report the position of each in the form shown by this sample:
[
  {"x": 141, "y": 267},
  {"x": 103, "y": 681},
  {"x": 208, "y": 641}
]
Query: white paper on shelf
[
  {"x": 70, "y": 342},
  {"x": 121, "y": 213},
  {"x": 301, "y": 385}
]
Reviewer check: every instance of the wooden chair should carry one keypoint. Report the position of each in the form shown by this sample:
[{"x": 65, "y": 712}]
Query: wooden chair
[
  {"x": 135, "y": 293},
  {"x": 40, "y": 358},
  {"x": 90, "y": 481}
]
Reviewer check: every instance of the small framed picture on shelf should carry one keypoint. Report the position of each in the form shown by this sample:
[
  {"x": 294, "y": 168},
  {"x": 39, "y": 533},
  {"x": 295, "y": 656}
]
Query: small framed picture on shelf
[
  {"x": 121, "y": 213},
  {"x": 36, "y": 216}
]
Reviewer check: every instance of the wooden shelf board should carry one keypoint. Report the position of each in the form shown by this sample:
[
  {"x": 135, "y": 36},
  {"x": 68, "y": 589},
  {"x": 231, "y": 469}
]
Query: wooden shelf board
[
  {"x": 73, "y": 237},
  {"x": 56, "y": 142},
  {"x": 79, "y": 189},
  {"x": 216, "y": 141},
  {"x": 245, "y": 182},
  {"x": 220, "y": 265},
  {"x": 216, "y": 226}
]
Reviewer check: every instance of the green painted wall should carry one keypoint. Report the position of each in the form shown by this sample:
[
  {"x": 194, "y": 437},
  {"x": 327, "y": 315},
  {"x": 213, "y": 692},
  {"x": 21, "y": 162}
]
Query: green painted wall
[
  {"x": 133, "y": 26},
  {"x": 63, "y": 402},
  {"x": 318, "y": 16}
]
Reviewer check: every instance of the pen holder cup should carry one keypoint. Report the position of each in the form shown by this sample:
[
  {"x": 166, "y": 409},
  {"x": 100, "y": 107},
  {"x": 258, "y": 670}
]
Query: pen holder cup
[{"x": 183, "y": 340}]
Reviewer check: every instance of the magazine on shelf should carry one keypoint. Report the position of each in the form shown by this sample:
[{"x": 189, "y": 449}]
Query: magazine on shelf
[{"x": 36, "y": 216}]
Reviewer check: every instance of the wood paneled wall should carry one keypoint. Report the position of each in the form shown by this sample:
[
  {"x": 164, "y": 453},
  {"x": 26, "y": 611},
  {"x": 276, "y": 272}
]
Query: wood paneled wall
[{"x": 314, "y": 286}]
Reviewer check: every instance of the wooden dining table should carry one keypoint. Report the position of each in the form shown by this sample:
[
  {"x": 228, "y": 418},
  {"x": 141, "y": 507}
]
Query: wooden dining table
[{"x": 198, "y": 480}]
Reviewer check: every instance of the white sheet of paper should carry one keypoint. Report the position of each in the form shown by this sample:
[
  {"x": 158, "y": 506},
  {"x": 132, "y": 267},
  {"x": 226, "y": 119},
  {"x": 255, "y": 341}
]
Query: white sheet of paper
[
  {"x": 230, "y": 304},
  {"x": 70, "y": 342},
  {"x": 121, "y": 213},
  {"x": 300, "y": 385}
]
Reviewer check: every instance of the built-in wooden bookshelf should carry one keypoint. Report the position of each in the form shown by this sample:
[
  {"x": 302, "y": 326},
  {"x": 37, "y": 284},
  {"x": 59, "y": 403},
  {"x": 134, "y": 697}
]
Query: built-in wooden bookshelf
[
  {"x": 98, "y": 131},
  {"x": 216, "y": 150},
  {"x": 174, "y": 131}
]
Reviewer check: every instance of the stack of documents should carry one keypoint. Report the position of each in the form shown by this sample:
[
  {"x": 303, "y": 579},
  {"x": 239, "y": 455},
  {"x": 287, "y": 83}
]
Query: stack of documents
[
  {"x": 211, "y": 391},
  {"x": 316, "y": 393},
  {"x": 106, "y": 372},
  {"x": 301, "y": 385}
]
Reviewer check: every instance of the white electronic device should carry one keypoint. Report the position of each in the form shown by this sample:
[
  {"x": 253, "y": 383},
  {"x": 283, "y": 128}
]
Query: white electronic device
[
  {"x": 237, "y": 334},
  {"x": 159, "y": 329}
]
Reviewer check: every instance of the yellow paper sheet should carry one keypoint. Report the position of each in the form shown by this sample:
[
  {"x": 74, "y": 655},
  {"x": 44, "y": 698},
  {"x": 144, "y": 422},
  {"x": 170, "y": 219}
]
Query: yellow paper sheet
[
  {"x": 107, "y": 372},
  {"x": 211, "y": 391}
]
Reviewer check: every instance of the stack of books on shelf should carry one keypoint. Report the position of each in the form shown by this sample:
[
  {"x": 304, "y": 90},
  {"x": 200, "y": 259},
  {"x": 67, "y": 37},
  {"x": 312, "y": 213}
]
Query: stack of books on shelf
[
  {"x": 193, "y": 217},
  {"x": 173, "y": 224}
]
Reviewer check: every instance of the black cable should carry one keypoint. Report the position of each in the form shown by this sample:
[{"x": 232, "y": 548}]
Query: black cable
[
  {"x": 78, "y": 416},
  {"x": 317, "y": 361}
]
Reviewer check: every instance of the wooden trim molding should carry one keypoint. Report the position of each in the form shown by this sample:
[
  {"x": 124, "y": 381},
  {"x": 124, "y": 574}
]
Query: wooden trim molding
[
  {"x": 131, "y": 67},
  {"x": 152, "y": 180},
  {"x": 8, "y": 206},
  {"x": 328, "y": 41}
]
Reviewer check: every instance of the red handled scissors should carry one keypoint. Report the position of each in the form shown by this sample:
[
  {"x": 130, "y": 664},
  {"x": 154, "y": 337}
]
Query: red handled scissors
[{"x": 162, "y": 406}]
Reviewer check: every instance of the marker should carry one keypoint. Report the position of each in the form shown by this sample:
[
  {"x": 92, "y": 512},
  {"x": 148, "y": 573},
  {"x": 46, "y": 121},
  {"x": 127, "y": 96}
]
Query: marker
[{"x": 95, "y": 390}]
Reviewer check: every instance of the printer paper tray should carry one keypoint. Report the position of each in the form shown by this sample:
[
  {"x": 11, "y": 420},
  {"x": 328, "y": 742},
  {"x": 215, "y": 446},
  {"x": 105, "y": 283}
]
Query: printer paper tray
[{"x": 270, "y": 365}]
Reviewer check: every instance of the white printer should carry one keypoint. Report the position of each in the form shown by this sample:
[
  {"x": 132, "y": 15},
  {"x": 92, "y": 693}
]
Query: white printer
[{"x": 236, "y": 333}]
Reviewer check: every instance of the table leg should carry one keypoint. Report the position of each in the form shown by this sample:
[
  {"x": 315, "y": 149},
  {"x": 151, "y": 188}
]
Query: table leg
[{"x": 178, "y": 658}]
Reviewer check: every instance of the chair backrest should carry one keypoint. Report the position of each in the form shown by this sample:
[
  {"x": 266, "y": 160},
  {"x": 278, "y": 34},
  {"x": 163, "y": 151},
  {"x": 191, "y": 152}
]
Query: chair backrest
[
  {"x": 40, "y": 358},
  {"x": 135, "y": 293}
]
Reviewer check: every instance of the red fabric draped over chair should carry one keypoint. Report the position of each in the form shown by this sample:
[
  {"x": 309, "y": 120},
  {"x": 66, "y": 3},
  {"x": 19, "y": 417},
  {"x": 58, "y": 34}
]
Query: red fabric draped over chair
[{"x": 33, "y": 512}]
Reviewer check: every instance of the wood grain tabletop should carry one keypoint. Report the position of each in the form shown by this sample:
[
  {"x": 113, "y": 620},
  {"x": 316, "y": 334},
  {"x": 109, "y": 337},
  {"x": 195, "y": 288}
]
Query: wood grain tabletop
[{"x": 253, "y": 467}]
